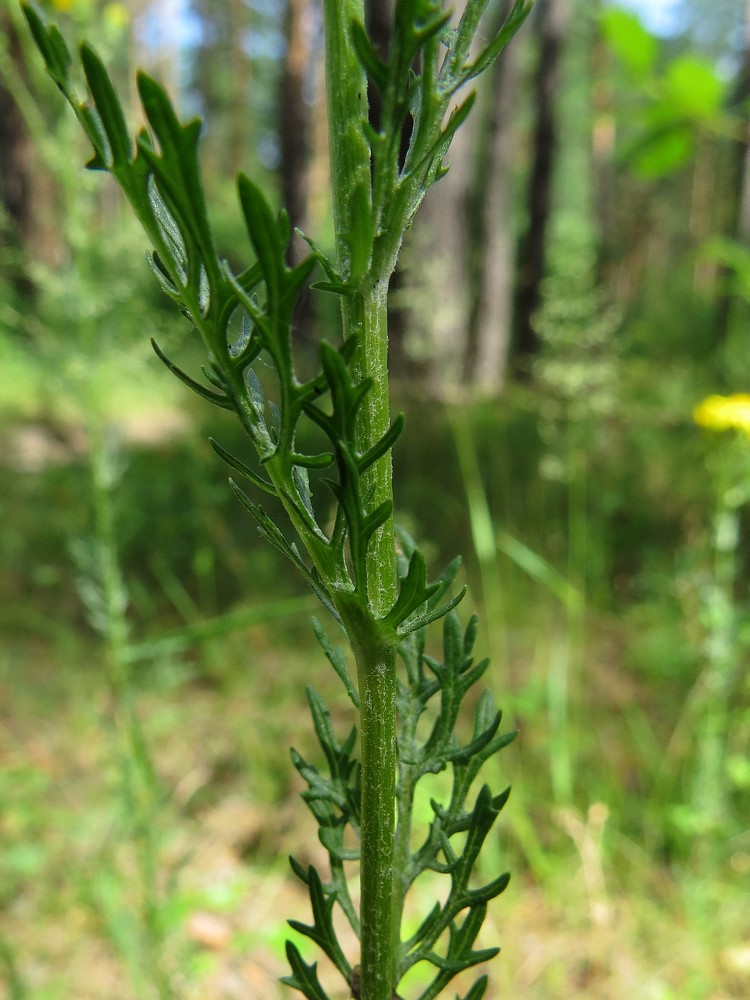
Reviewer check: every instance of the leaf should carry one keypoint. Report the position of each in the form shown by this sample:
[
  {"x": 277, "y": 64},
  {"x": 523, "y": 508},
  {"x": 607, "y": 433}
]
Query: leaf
[
  {"x": 337, "y": 755},
  {"x": 264, "y": 234},
  {"x": 322, "y": 931},
  {"x": 413, "y": 592},
  {"x": 361, "y": 232},
  {"x": 382, "y": 446},
  {"x": 432, "y": 161},
  {"x": 321, "y": 792},
  {"x": 514, "y": 21},
  {"x": 201, "y": 390},
  {"x": 483, "y": 816},
  {"x": 51, "y": 44},
  {"x": 463, "y": 754},
  {"x": 89, "y": 118},
  {"x": 431, "y": 615},
  {"x": 320, "y": 461},
  {"x": 661, "y": 152},
  {"x": 305, "y": 977},
  {"x": 165, "y": 282},
  {"x": 273, "y": 534},
  {"x": 376, "y": 69},
  {"x": 477, "y": 991},
  {"x": 630, "y": 41},
  {"x": 173, "y": 237},
  {"x": 109, "y": 108},
  {"x": 337, "y": 660},
  {"x": 376, "y": 519},
  {"x": 694, "y": 89},
  {"x": 177, "y": 171},
  {"x": 243, "y": 469}
]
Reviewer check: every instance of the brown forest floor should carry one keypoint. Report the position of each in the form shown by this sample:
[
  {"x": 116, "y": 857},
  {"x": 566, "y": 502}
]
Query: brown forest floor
[{"x": 602, "y": 923}]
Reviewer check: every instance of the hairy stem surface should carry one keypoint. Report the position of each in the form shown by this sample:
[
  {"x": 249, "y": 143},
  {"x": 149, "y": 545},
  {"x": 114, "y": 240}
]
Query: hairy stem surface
[{"x": 365, "y": 316}]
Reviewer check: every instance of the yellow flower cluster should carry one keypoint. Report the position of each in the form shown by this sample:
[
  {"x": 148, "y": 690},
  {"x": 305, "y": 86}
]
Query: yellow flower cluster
[
  {"x": 115, "y": 14},
  {"x": 723, "y": 413}
]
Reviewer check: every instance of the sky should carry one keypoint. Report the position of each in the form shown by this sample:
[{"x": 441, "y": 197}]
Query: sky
[{"x": 659, "y": 16}]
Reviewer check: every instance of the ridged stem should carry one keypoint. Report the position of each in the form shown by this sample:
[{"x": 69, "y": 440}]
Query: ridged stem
[
  {"x": 364, "y": 314},
  {"x": 376, "y": 664}
]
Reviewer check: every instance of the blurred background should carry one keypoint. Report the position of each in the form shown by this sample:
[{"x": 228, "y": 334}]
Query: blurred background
[{"x": 573, "y": 289}]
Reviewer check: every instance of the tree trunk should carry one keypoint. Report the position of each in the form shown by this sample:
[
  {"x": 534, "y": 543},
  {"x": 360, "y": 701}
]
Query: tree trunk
[
  {"x": 294, "y": 115},
  {"x": 16, "y": 217},
  {"x": 738, "y": 223},
  {"x": 492, "y": 260},
  {"x": 551, "y": 20},
  {"x": 238, "y": 139},
  {"x": 438, "y": 265}
]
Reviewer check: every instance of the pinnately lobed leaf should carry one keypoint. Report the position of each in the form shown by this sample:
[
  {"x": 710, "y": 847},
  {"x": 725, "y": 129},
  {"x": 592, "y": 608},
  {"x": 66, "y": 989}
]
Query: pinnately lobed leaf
[{"x": 380, "y": 599}]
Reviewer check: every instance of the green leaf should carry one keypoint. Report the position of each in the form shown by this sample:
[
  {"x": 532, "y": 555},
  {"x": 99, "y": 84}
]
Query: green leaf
[
  {"x": 109, "y": 108},
  {"x": 160, "y": 273},
  {"x": 361, "y": 232},
  {"x": 243, "y": 469},
  {"x": 213, "y": 397},
  {"x": 376, "y": 69},
  {"x": 51, "y": 44},
  {"x": 273, "y": 534},
  {"x": 376, "y": 519},
  {"x": 337, "y": 660},
  {"x": 321, "y": 792},
  {"x": 382, "y": 446},
  {"x": 630, "y": 41},
  {"x": 337, "y": 755},
  {"x": 177, "y": 171},
  {"x": 320, "y": 461},
  {"x": 413, "y": 592},
  {"x": 430, "y": 615},
  {"x": 322, "y": 931},
  {"x": 89, "y": 118},
  {"x": 514, "y": 21},
  {"x": 264, "y": 234},
  {"x": 477, "y": 991},
  {"x": 305, "y": 977},
  {"x": 661, "y": 152},
  {"x": 694, "y": 89}
]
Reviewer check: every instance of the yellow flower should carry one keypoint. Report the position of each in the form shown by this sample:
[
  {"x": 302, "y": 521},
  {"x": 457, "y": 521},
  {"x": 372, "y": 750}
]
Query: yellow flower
[
  {"x": 116, "y": 15},
  {"x": 723, "y": 413}
]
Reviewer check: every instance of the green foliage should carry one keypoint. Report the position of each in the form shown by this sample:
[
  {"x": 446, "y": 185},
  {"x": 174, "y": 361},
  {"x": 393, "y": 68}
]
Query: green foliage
[
  {"x": 160, "y": 176},
  {"x": 334, "y": 799},
  {"x": 679, "y": 98},
  {"x": 631, "y": 42},
  {"x": 348, "y": 559}
]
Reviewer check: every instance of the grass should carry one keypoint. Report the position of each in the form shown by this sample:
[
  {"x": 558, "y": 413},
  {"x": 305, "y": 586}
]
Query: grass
[
  {"x": 605, "y": 921},
  {"x": 610, "y": 897}
]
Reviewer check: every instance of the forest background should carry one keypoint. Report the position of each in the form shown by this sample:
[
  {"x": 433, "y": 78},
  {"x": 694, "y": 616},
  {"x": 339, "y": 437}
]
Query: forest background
[{"x": 575, "y": 287}]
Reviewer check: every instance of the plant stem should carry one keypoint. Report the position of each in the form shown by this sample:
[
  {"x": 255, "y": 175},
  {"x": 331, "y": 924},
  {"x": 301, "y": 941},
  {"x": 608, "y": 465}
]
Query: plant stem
[
  {"x": 137, "y": 777},
  {"x": 376, "y": 670},
  {"x": 377, "y": 686},
  {"x": 346, "y": 94},
  {"x": 364, "y": 314}
]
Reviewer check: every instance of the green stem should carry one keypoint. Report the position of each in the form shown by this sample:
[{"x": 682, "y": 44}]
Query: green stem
[
  {"x": 364, "y": 313},
  {"x": 402, "y": 853},
  {"x": 136, "y": 770},
  {"x": 377, "y": 685},
  {"x": 346, "y": 94},
  {"x": 376, "y": 668}
]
